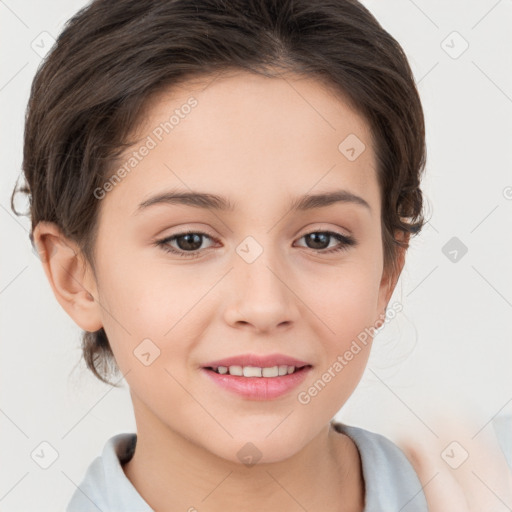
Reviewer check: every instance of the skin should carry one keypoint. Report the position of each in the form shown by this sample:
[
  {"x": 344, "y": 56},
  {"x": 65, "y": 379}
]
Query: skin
[{"x": 247, "y": 133}]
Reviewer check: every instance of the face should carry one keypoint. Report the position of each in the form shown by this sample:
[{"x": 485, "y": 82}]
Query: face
[{"x": 262, "y": 278}]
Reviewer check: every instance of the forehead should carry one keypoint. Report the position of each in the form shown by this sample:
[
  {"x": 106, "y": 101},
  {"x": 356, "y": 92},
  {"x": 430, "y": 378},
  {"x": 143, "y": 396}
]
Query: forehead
[{"x": 241, "y": 133}]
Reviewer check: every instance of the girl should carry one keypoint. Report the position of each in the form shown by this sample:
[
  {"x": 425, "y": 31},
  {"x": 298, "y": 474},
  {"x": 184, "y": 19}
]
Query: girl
[{"x": 222, "y": 194}]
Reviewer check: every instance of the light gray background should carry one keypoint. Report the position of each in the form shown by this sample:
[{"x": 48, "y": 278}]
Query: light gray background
[{"x": 447, "y": 354}]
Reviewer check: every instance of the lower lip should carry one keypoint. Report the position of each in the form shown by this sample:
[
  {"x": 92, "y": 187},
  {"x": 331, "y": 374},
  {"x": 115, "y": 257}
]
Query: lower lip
[{"x": 259, "y": 388}]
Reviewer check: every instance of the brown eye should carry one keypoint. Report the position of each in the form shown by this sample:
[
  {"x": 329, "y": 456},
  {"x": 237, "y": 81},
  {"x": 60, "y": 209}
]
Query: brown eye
[
  {"x": 189, "y": 242},
  {"x": 319, "y": 241}
]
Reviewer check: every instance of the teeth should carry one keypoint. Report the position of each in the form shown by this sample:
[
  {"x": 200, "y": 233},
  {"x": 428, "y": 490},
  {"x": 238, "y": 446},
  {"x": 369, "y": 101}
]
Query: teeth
[
  {"x": 283, "y": 369},
  {"x": 236, "y": 370},
  {"x": 255, "y": 371},
  {"x": 252, "y": 371}
]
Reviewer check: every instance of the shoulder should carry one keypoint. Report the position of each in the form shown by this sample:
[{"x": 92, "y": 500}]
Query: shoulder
[
  {"x": 105, "y": 486},
  {"x": 391, "y": 482},
  {"x": 91, "y": 492}
]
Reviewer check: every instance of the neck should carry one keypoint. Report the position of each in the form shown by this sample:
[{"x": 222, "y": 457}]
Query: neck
[{"x": 170, "y": 472}]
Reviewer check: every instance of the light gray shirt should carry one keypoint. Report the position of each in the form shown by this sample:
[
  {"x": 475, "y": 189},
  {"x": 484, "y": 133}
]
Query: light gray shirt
[{"x": 391, "y": 484}]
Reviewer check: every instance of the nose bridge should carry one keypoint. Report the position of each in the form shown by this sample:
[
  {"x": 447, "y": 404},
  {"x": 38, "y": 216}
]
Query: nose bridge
[
  {"x": 259, "y": 263},
  {"x": 261, "y": 294}
]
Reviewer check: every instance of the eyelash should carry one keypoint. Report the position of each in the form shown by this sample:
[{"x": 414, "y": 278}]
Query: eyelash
[{"x": 346, "y": 243}]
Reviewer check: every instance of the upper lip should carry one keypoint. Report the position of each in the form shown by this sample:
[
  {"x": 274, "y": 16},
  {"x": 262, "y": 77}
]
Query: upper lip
[{"x": 266, "y": 361}]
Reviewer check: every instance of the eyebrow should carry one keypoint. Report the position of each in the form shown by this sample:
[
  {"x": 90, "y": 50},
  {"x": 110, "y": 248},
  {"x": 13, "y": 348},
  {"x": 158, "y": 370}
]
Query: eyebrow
[{"x": 220, "y": 203}]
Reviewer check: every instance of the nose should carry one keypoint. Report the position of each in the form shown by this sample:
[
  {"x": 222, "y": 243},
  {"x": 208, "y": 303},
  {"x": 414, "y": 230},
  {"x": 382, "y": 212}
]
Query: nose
[{"x": 260, "y": 294}]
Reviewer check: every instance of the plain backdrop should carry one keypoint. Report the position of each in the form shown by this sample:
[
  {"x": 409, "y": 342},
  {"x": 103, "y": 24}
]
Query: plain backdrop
[{"x": 445, "y": 357}]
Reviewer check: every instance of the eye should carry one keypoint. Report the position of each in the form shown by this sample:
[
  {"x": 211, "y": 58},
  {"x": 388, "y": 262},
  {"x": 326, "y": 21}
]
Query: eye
[
  {"x": 320, "y": 238},
  {"x": 187, "y": 242},
  {"x": 190, "y": 242}
]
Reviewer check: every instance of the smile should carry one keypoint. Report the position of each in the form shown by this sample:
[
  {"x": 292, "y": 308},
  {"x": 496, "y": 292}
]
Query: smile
[
  {"x": 256, "y": 383},
  {"x": 255, "y": 371}
]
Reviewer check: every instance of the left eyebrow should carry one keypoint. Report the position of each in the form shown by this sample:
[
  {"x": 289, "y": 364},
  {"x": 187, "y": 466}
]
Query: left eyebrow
[{"x": 220, "y": 203}]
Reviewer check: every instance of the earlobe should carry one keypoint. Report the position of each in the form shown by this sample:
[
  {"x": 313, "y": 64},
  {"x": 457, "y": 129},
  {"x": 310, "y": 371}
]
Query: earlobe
[{"x": 69, "y": 275}]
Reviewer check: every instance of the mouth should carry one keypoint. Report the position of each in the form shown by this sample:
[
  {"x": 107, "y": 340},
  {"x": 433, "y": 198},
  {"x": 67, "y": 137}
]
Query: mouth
[
  {"x": 257, "y": 383},
  {"x": 256, "y": 371}
]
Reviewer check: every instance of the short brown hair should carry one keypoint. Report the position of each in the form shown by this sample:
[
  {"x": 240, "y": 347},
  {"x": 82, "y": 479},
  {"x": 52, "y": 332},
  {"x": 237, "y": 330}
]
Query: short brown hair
[{"x": 89, "y": 93}]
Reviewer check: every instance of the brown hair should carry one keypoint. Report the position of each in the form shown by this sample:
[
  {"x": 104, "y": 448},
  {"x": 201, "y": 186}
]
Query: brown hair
[{"x": 90, "y": 91}]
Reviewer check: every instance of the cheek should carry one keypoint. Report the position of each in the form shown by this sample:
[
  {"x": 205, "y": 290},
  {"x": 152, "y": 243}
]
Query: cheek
[
  {"x": 346, "y": 308},
  {"x": 149, "y": 297},
  {"x": 159, "y": 303},
  {"x": 343, "y": 298},
  {"x": 345, "y": 352},
  {"x": 345, "y": 303}
]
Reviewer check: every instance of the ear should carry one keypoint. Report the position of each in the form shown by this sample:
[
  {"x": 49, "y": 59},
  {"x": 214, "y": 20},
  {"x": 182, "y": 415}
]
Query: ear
[
  {"x": 390, "y": 278},
  {"x": 70, "y": 276}
]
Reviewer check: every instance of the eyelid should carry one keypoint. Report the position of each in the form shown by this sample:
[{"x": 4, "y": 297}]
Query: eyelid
[
  {"x": 315, "y": 228},
  {"x": 307, "y": 231},
  {"x": 184, "y": 231},
  {"x": 345, "y": 242}
]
